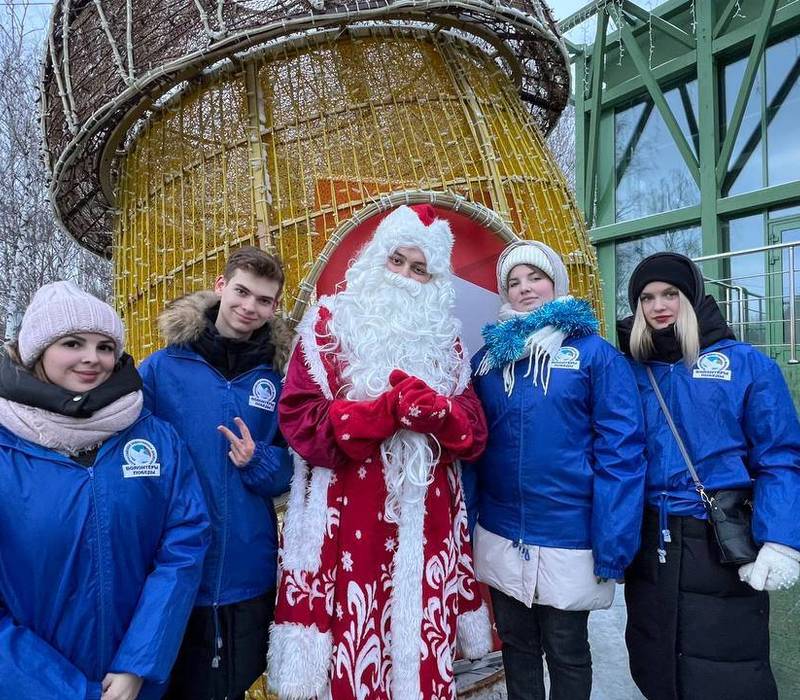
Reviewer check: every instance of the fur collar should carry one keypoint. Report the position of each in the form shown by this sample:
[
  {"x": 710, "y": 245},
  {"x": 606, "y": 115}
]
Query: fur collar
[
  {"x": 506, "y": 341},
  {"x": 183, "y": 320}
]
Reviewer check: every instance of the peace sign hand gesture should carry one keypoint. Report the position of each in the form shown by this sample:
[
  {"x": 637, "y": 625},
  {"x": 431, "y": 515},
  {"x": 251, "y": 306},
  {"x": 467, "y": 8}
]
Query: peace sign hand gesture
[{"x": 242, "y": 448}]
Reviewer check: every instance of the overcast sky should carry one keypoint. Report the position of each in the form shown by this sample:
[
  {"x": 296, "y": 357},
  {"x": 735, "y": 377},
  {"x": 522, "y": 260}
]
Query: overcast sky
[{"x": 564, "y": 8}]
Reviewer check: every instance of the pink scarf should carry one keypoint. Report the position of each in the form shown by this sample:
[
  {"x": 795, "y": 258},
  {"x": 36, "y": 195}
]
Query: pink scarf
[{"x": 66, "y": 434}]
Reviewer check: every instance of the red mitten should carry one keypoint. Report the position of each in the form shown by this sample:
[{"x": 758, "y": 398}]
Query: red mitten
[
  {"x": 360, "y": 426},
  {"x": 398, "y": 376},
  {"x": 456, "y": 434},
  {"x": 407, "y": 382},
  {"x": 420, "y": 408}
]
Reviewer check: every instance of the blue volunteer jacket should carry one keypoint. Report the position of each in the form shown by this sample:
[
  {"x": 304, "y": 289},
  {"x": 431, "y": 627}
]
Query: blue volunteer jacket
[
  {"x": 736, "y": 417},
  {"x": 564, "y": 469},
  {"x": 99, "y": 566},
  {"x": 184, "y": 389}
]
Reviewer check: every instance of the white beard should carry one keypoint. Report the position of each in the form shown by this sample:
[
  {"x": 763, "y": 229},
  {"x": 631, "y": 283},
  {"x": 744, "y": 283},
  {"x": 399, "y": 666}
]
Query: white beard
[{"x": 383, "y": 322}]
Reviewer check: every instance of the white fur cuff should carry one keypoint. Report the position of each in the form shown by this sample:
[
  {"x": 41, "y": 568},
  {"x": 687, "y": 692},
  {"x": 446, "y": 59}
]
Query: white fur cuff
[
  {"x": 475, "y": 633},
  {"x": 298, "y": 661}
]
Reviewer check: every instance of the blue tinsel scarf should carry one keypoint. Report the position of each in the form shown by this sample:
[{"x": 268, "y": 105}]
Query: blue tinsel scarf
[{"x": 506, "y": 340}]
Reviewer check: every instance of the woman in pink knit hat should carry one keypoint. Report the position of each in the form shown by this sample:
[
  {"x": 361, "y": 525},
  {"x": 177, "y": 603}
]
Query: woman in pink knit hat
[{"x": 103, "y": 527}]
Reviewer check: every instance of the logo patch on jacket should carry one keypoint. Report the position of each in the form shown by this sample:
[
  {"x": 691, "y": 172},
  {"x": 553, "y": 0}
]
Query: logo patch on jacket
[
  {"x": 712, "y": 365},
  {"x": 263, "y": 395},
  {"x": 141, "y": 459},
  {"x": 566, "y": 358}
]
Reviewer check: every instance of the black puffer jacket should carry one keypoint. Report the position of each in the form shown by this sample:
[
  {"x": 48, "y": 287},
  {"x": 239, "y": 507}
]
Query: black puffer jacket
[{"x": 695, "y": 631}]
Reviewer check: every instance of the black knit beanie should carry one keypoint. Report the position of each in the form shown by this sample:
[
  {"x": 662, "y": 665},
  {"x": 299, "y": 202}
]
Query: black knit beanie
[{"x": 671, "y": 268}]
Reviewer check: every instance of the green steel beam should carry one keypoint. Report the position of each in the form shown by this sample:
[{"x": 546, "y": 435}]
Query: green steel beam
[
  {"x": 606, "y": 193},
  {"x": 725, "y": 17},
  {"x": 660, "y": 101},
  {"x": 692, "y": 122},
  {"x": 756, "y": 53},
  {"x": 598, "y": 62},
  {"x": 677, "y": 218},
  {"x": 659, "y": 23},
  {"x": 708, "y": 133},
  {"x": 728, "y": 207},
  {"x": 682, "y": 65},
  {"x": 581, "y": 15},
  {"x": 666, "y": 72},
  {"x": 767, "y": 198},
  {"x": 662, "y": 11},
  {"x": 784, "y": 18},
  {"x": 606, "y": 254},
  {"x": 574, "y": 49}
]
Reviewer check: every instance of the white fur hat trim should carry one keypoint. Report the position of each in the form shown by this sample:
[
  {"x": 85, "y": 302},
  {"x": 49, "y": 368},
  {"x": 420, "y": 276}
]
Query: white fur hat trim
[{"x": 417, "y": 227}]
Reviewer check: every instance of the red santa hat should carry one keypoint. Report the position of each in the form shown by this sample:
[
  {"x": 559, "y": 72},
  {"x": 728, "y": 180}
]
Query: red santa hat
[{"x": 416, "y": 226}]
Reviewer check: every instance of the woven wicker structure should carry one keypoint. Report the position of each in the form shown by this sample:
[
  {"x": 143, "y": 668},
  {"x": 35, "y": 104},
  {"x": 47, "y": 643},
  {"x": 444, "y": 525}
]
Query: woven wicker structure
[
  {"x": 178, "y": 130},
  {"x": 107, "y": 61}
]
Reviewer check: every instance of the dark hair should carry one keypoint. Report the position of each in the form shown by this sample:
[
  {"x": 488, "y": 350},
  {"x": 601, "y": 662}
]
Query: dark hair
[{"x": 256, "y": 261}]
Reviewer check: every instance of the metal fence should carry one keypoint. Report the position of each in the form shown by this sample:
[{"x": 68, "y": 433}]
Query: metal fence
[{"x": 757, "y": 293}]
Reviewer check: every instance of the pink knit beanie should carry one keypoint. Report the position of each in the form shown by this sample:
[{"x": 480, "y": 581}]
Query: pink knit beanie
[{"x": 60, "y": 308}]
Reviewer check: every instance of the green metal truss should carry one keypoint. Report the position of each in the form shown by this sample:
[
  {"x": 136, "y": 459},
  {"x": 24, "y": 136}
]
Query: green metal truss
[
  {"x": 682, "y": 41},
  {"x": 693, "y": 39}
]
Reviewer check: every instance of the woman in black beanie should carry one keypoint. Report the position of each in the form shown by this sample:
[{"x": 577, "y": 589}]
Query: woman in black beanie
[{"x": 698, "y": 628}]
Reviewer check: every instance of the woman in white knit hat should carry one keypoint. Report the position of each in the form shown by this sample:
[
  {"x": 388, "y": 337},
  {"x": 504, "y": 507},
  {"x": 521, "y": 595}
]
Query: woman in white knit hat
[
  {"x": 558, "y": 492},
  {"x": 103, "y": 527}
]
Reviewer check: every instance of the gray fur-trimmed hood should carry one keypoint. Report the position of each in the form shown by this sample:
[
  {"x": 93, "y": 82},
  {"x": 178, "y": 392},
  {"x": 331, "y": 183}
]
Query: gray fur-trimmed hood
[{"x": 183, "y": 320}]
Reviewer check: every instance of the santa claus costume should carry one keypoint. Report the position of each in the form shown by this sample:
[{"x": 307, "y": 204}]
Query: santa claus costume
[{"x": 376, "y": 580}]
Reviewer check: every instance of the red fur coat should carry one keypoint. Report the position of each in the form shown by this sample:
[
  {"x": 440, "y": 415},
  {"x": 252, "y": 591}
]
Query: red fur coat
[{"x": 368, "y": 609}]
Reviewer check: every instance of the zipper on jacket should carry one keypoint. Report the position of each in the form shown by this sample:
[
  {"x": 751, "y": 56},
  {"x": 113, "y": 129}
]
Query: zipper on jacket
[
  {"x": 217, "y": 644},
  {"x": 519, "y": 471},
  {"x": 222, "y": 547},
  {"x": 664, "y": 534},
  {"x": 522, "y": 550},
  {"x": 100, "y": 577}
]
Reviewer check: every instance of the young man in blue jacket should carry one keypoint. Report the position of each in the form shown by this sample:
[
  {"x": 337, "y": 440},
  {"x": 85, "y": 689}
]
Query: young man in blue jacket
[{"x": 218, "y": 383}]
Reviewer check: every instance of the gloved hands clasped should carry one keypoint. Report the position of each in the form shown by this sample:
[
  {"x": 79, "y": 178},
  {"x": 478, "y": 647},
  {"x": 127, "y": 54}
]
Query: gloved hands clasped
[
  {"x": 408, "y": 404},
  {"x": 419, "y": 408}
]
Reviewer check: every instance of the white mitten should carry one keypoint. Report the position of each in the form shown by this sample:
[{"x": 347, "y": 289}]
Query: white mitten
[{"x": 776, "y": 566}]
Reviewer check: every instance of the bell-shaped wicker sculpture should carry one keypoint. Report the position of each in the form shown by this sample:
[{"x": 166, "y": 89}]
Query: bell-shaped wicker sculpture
[{"x": 177, "y": 130}]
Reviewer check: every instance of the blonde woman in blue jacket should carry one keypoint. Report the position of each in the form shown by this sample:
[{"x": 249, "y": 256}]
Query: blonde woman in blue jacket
[
  {"x": 698, "y": 628},
  {"x": 560, "y": 487}
]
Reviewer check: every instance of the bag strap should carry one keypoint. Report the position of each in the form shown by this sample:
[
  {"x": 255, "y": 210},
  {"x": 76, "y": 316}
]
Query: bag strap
[{"x": 698, "y": 485}]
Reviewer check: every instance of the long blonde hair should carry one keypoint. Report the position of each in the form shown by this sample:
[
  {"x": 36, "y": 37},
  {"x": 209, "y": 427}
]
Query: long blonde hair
[{"x": 686, "y": 330}]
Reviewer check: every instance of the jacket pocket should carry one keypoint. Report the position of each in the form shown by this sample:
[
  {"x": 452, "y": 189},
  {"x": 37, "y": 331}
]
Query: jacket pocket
[{"x": 498, "y": 564}]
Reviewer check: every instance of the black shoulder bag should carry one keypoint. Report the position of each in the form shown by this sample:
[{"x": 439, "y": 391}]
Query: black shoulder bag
[{"x": 730, "y": 511}]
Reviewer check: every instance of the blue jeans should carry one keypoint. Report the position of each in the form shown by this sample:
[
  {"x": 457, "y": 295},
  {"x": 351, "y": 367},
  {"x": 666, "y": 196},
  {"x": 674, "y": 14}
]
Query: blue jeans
[{"x": 528, "y": 633}]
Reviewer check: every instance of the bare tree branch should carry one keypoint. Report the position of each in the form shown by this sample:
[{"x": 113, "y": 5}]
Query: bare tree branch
[
  {"x": 33, "y": 250},
  {"x": 562, "y": 144}
]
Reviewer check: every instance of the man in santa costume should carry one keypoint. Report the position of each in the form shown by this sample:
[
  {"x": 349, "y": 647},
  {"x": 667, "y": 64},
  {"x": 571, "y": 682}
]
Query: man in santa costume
[{"x": 377, "y": 582}]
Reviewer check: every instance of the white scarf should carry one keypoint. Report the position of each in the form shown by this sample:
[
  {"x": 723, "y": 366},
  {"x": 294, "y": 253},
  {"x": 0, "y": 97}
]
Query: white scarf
[
  {"x": 540, "y": 347},
  {"x": 66, "y": 434}
]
